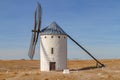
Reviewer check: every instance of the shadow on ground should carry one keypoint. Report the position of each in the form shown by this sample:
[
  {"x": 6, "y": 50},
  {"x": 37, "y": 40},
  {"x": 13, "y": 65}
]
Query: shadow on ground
[{"x": 86, "y": 68}]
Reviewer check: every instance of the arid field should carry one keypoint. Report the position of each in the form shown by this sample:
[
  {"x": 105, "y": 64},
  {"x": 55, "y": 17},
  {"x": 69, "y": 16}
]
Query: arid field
[{"x": 79, "y": 70}]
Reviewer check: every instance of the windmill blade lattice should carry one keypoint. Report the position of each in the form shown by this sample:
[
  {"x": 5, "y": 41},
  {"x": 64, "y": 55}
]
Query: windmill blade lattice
[
  {"x": 35, "y": 32},
  {"x": 32, "y": 48},
  {"x": 39, "y": 21}
]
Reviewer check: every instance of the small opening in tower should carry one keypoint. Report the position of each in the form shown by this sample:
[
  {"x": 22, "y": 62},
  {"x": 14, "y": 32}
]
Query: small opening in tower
[
  {"x": 64, "y": 37},
  {"x": 58, "y": 36},
  {"x": 45, "y": 37},
  {"x": 51, "y": 36},
  {"x": 52, "y": 51}
]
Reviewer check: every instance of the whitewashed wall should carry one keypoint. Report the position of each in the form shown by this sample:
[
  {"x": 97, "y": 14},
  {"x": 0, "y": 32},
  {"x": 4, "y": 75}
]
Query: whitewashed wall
[{"x": 60, "y": 51}]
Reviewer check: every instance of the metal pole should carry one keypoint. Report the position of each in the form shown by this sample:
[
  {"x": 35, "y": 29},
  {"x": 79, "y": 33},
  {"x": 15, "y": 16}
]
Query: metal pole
[{"x": 86, "y": 51}]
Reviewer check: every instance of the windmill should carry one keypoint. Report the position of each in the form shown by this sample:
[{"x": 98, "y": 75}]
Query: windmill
[{"x": 53, "y": 45}]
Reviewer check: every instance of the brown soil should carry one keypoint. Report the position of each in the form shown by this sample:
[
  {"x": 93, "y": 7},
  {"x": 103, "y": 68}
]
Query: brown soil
[{"x": 79, "y": 70}]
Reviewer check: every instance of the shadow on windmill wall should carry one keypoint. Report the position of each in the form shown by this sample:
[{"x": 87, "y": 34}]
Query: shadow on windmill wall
[{"x": 45, "y": 53}]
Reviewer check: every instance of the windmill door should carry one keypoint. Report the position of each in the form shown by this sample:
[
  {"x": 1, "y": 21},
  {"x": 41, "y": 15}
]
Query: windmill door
[{"x": 52, "y": 65}]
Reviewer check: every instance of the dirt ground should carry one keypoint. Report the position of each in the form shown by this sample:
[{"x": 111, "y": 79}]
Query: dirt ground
[{"x": 79, "y": 70}]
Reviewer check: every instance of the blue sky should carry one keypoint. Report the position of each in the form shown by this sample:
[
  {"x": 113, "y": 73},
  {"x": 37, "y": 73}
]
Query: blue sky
[{"x": 95, "y": 24}]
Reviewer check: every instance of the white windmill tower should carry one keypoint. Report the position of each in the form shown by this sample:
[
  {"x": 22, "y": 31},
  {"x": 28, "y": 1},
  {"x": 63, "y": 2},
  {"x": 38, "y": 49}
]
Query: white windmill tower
[
  {"x": 53, "y": 48},
  {"x": 53, "y": 45}
]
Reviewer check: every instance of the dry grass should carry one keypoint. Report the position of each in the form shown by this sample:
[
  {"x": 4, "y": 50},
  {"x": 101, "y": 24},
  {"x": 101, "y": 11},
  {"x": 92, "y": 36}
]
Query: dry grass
[{"x": 79, "y": 70}]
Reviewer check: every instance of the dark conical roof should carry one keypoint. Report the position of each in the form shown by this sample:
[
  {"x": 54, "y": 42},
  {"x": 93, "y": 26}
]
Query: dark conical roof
[{"x": 53, "y": 28}]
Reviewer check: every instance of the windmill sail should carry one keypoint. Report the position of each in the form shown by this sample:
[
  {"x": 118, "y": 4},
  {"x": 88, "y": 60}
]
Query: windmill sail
[
  {"x": 39, "y": 21},
  {"x": 32, "y": 47},
  {"x": 35, "y": 32},
  {"x": 39, "y": 15},
  {"x": 33, "y": 39}
]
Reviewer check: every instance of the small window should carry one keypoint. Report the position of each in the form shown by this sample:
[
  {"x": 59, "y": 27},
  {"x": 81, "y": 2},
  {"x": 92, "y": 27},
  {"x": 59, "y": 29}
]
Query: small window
[
  {"x": 58, "y": 36},
  {"x": 52, "y": 51},
  {"x": 51, "y": 36},
  {"x": 45, "y": 37},
  {"x": 64, "y": 37}
]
